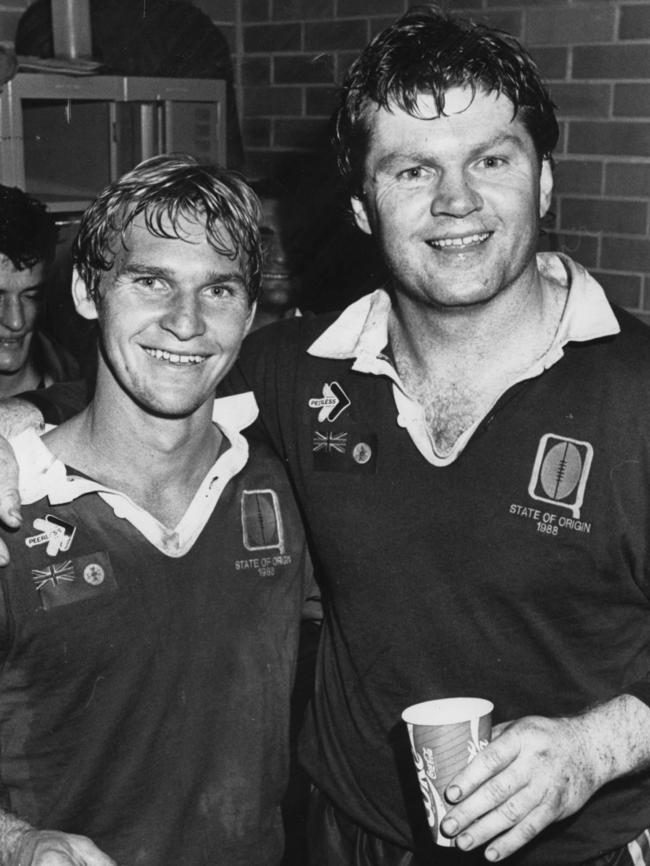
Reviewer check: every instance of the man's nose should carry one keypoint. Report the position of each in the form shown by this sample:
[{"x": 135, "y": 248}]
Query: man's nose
[
  {"x": 455, "y": 195},
  {"x": 12, "y": 314},
  {"x": 184, "y": 316}
]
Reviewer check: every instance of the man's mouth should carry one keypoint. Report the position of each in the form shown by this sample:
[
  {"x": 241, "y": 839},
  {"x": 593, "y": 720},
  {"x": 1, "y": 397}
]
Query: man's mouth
[
  {"x": 11, "y": 342},
  {"x": 174, "y": 357},
  {"x": 459, "y": 243}
]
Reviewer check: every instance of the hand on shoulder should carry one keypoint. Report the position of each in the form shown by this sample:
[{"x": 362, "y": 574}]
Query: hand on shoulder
[{"x": 15, "y": 416}]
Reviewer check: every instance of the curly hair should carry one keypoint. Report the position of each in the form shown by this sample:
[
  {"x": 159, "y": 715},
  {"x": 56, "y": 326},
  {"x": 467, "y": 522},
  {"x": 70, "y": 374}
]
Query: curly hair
[
  {"x": 28, "y": 233},
  {"x": 164, "y": 190},
  {"x": 430, "y": 51}
]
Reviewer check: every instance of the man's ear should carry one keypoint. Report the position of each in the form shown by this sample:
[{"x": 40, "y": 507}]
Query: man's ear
[
  {"x": 360, "y": 214},
  {"x": 84, "y": 304},
  {"x": 251, "y": 316},
  {"x": 545, "y": 187}
]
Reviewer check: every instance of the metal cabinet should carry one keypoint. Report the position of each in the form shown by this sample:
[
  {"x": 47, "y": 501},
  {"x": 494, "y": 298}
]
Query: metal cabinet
[{"x": 65, "y": 137}]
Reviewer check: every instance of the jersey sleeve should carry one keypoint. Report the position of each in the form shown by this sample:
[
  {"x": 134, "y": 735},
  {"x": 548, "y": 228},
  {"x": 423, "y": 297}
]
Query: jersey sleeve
[{"x": 266, "y": 366}]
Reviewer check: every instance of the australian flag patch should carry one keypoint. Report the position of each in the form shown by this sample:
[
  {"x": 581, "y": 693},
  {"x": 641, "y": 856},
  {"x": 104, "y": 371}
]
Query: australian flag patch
[
  {"x": 69, "y": 580},
  {"x": 352, "y": 450}
]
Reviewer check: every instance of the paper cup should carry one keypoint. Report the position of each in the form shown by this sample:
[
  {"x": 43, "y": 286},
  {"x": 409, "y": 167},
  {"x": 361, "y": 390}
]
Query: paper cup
[{"x": 445, "y": 735}]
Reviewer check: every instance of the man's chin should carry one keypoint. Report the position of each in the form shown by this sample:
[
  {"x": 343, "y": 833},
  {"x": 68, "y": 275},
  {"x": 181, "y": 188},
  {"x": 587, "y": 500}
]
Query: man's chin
[
  {"x": 172, "y": 409},
  {"x": 10, "y": 367}
]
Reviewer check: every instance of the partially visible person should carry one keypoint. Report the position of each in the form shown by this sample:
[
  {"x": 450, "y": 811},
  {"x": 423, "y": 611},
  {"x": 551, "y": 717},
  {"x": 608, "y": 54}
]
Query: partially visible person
[
  {"x": 150, "y": 616},
  {"x": 29, "y": 358}
]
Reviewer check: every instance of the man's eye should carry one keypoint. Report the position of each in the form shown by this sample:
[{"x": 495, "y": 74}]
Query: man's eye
[
  {"x": 415, "y": 172},
  {"x": 493, "y": 161},
  {"x": 149, "y": 283},
  {"x": 219, "y": 291}
]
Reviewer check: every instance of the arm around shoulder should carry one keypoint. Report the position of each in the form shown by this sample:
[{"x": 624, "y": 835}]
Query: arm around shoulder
[{"x": 30, "y": 411}]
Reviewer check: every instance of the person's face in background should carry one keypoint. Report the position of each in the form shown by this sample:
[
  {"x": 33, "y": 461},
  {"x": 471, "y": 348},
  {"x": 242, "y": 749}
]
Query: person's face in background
[{"x": 21, "y": 294}]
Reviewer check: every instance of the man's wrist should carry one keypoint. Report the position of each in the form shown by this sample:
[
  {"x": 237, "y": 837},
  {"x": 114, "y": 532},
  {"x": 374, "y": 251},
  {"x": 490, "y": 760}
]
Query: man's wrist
[{"x": 614, "y": 738}]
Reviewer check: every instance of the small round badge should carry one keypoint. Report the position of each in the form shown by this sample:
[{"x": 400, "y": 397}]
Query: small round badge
[
  {"x": 361, "y": 453},
  {"x": 94, "y": 574}
]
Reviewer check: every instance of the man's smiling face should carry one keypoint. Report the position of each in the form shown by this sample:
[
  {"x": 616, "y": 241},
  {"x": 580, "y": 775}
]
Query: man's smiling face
[
  {"x": 172, "y": 314},
  {"x": 455, "y": 200}
]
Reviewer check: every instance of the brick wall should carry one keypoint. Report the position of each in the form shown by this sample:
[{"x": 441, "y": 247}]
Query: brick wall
[{"x": 595, "y": 54}]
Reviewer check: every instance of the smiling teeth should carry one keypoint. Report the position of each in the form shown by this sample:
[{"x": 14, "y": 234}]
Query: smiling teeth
[
  {"x": 459, "y": 242},
  {"x": 173, "y": 358}
]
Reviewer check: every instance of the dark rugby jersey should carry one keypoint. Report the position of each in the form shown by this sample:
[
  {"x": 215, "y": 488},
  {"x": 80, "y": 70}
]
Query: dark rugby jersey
[
  {"x": 146, "y": 674},
  {"x": 516, "y": 571}
]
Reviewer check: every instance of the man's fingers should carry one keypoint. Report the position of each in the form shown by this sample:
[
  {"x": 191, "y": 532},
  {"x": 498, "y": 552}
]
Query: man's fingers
[
  {"x": 489, "y": 762},
  {"x": 57, "y": 858},
  {"x": 514, "y": 812},
  {"x": 91, "y": 854},
  {"x": 522, "y": 833},
  {"x": 10, "y": 514},
  {"x": 10, "y": 517},
  {"x": 495, "y": 804},
  {"x": 10, "y": 506},
  {"x": 54, "y": 848}
]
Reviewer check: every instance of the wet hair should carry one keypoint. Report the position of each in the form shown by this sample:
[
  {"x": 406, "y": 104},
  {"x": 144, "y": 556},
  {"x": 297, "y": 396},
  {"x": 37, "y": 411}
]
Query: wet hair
[
  {"x": 28, "y": 233},
  {"x": 166, "y": 190},
  {"x": 430, "y": 51}
]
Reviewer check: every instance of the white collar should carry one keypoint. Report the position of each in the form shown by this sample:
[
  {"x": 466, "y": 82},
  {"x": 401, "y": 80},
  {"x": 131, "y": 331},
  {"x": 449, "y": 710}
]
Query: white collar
[
  {"x": 43, "y": 475},
  {"x": 361, "y": 331}
]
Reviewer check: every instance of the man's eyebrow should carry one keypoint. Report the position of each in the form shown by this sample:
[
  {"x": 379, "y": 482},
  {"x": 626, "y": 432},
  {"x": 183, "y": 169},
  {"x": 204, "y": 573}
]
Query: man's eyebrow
[
  {"x": 136, "y": 269},
  {"x": 402, "y": 157},
  {"x": 504, "y": 138},
  {"x": 139, "y": 269},
  {"x": 228, "y": 277}
]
